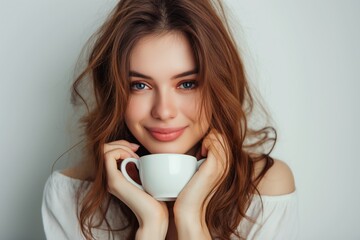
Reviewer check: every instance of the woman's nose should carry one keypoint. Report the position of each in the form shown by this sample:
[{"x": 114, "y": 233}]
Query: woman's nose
[{"x": 164, "y": 105}]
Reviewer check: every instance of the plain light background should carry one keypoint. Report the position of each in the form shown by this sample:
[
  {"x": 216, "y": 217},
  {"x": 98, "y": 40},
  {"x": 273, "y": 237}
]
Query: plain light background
[{"x": 303, "y": 55}]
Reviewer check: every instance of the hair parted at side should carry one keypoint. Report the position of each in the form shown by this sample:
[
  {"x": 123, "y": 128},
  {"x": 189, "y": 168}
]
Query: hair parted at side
[{"x": 225, "y": 95}]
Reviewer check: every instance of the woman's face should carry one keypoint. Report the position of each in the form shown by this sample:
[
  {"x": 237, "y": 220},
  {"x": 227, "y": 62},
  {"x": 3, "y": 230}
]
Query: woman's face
[{"x": 163, "y": 111}]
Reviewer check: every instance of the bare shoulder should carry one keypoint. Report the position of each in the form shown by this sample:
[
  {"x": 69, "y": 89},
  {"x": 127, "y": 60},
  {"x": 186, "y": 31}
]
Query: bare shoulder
[
  {"x": 278, "y": 180},
  {"x": 72, "y": 172},
  {"x": 81, "y": 171}
]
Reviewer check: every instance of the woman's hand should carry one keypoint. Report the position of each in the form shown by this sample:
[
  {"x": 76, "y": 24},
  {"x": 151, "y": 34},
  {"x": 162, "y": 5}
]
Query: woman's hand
[
  {"x": 190, "y": 206},
  {"x": 151, "y": 214}
]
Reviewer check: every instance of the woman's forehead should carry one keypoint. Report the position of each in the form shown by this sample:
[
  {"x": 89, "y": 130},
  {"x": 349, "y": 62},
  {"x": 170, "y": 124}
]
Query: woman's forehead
[{"x": 169, "y": 54}]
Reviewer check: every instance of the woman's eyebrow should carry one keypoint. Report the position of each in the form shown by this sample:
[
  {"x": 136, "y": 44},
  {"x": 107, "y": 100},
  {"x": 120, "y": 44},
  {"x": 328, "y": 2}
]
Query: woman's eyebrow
[
  {"x": 183, "y": 74},
  {"x": 137, "y": 74}
]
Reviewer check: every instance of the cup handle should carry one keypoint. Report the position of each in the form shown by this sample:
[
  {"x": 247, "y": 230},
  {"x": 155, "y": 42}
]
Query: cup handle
[
  {"x": 198, "y": 163},
  {"x": 126, "y": 175}
]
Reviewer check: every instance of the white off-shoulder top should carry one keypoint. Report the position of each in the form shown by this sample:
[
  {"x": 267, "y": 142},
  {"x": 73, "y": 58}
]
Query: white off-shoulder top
[{"x": 277, "y": 220}]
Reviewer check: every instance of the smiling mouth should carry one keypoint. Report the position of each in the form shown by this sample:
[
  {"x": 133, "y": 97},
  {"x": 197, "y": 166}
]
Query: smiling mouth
[{"x": 166, "y": 134}]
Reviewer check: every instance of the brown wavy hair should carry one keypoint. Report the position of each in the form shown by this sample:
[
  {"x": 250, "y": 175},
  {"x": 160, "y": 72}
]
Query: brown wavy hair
[{"x": 224, "y": 87}]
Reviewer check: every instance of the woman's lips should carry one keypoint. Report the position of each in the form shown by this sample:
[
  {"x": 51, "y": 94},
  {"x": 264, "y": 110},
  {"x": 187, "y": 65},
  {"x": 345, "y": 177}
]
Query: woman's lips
[{"x": 166, "y": 134}]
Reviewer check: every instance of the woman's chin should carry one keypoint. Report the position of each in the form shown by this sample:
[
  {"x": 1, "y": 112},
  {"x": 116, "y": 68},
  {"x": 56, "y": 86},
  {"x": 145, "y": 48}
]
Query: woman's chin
[{"x": 169, "y": 150}]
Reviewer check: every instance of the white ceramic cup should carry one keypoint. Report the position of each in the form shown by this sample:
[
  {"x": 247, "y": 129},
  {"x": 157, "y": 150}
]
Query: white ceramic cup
[{"x": 163, "y": 175}]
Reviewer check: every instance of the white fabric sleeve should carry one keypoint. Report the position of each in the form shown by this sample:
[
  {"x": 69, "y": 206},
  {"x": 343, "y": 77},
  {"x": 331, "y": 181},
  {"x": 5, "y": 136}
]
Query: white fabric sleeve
[
  {"x": 59, "y": 210},
  {"x": 279, "y": 219}
]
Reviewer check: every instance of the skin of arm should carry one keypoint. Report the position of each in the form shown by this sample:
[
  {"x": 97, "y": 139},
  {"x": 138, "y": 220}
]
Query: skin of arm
[
  {"x": 151, "y": 214},
  {"x": 190, "y": 206}
]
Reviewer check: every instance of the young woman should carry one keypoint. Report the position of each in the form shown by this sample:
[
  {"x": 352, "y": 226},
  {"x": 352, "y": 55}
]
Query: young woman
[{"x": 166, "y": 77}]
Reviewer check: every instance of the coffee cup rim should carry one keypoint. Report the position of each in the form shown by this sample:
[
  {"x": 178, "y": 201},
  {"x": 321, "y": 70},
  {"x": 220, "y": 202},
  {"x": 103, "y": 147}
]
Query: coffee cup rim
[{"x": 162, "y": 154}]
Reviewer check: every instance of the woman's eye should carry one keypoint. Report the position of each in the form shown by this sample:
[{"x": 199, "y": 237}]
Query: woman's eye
[
  {"x": 138, "y": 86},
  {"x": 188, "y": 85}
]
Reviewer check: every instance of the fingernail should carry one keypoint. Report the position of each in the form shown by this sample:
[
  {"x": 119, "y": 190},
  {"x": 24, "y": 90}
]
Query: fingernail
[{"x": 134, "y": 145}]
